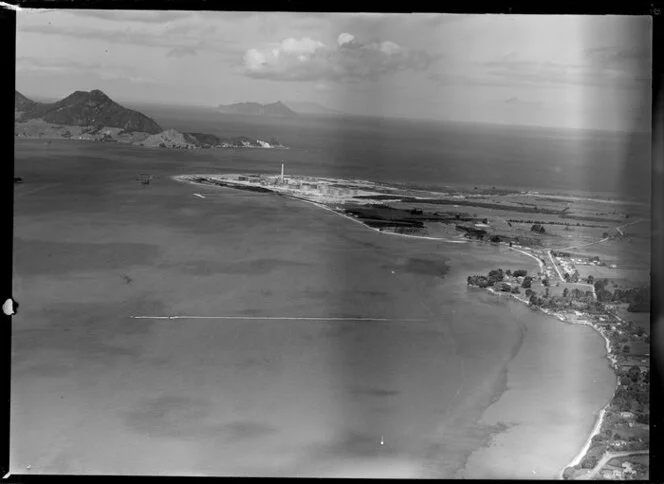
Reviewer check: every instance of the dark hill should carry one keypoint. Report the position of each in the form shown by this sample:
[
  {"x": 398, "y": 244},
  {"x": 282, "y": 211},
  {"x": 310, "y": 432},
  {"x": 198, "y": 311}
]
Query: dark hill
[
  {"x": 202, "y": 139},
  {"x": 277, "y": 109},
  {"x": 93, "y": 108},
  {"x": 22, "y": 103}
]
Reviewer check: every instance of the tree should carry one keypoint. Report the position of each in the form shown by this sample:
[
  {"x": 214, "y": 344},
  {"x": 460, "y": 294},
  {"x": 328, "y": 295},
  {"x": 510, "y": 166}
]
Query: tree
[
  {"x": 520, "y": 273},
  {"x": 625, "y": 349},
  {"x": 590, "y": 279},
  {"x": 527, "y": 281},
  {"x": 495, "y": 276},
  {"x": 565, "y": 292},
  {"x": 589, "y": 462},
  {"x": 508, "y": 272},
  {"x": 599, "y": 437}
]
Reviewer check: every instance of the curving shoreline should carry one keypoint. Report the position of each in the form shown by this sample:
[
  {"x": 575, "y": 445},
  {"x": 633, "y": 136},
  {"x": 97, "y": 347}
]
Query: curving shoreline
[
  {"x": 609, "y": 355},
  {"x": 602, "y": 413},
  {"x": 182, "y": 178},
  {"x": 597, "y": 427}
]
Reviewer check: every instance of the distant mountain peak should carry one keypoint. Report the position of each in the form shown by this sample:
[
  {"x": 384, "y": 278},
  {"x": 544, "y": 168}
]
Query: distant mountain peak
[
  {"x": 307, "y": 107},
  {"x": 276, "y": 109},
  {"x": 86, "y": 108},
  {"x": 97, "y": 94},
  {"x": 22, "y": 103}
]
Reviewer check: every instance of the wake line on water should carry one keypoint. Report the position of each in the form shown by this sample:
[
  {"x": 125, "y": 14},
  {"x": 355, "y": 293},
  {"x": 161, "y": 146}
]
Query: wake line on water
[{"x": 280, "y": 318}]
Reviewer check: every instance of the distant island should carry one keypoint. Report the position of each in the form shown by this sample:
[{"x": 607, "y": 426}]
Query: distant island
[
  {"x": 306, "y": 107},
  {"x": 93, "y": 116},
  {"x": 274, "y": 110}
]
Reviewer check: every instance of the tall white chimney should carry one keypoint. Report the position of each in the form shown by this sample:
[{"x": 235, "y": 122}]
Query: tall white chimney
[{"x": 282, "y": 173}]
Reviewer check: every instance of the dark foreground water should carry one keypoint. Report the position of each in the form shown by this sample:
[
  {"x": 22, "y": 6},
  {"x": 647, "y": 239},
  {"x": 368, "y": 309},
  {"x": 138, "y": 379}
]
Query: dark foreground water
[{"x": 94, "y": 391}]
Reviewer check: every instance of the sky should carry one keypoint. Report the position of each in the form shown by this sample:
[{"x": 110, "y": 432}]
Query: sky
[{"x": 590, "y": 72}]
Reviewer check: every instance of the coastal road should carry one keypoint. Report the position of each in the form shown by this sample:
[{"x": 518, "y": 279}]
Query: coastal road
[
  {"x": 605, "y": 459},
  {"x": 619, "y": 229},
  {"x": 586, "y": 245},
  {"x": 539, "y": 261},
  {"x": 555, "y": 266}
]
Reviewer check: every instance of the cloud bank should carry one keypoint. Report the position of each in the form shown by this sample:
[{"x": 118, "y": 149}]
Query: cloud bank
[{"x": 306, "y": 59}]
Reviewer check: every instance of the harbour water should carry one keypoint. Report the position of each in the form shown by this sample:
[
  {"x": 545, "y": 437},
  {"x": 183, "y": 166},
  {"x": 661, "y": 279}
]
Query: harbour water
[{"x": 480, "y": 388}]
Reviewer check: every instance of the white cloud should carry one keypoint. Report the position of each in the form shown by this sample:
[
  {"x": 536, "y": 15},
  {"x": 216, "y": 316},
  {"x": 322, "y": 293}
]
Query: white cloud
[
  {"x": 254, "y": 60},
  {"x": 300, "y": 46},
  {"x": 389, "y": 47},
  {"x": 345, "y": 38},
  {"x": 307, "y": 59}
]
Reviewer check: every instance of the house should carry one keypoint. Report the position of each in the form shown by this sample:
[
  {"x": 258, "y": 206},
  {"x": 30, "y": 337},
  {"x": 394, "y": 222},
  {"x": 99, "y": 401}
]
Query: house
[
  {"x": 503, "y": 286},
  {"x": 627, "y": 415},
  {"x": 612, "y": 474}
]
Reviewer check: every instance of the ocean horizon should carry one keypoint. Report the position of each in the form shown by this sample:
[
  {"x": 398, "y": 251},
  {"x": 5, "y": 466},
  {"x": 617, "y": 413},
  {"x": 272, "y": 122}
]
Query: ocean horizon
[{"x": 439, "y": 154}]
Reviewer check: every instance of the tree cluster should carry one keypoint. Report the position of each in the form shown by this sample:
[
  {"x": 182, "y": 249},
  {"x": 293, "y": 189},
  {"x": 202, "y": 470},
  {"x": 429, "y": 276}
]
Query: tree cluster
[
  {"x": 557, "y": 253},
  {"x": 495, "y": 279},
  {"x": 638, "y": 298}
]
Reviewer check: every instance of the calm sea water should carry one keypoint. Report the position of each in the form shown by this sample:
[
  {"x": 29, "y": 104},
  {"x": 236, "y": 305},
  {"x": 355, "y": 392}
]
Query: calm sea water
[
  {"x": 437, "y": 154},
  {"x": 94, "y": 391}
]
